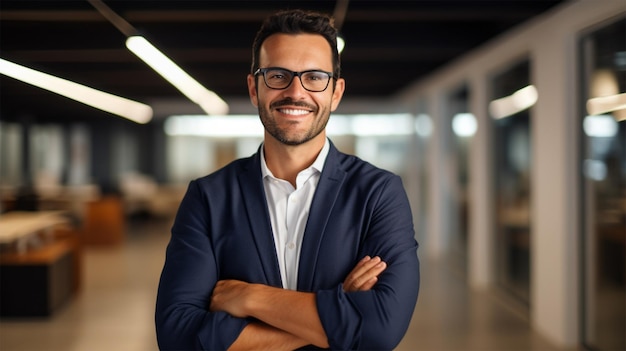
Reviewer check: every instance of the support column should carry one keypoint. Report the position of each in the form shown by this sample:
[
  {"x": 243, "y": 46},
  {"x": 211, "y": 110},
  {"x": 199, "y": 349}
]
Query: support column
[
  {"x": 439, "y": 178},
  {"x": 481, "y": 247},
  {"x": 554, "y": 221}
]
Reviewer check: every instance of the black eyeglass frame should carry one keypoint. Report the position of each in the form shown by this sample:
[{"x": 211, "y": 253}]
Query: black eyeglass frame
[{"x": 294, "y": 74}]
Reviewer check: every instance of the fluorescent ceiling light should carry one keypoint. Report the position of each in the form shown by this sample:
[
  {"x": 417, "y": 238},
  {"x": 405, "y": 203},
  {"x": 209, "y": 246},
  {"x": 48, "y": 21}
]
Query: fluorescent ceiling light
[
  {"x": 135, "y": 111},
  {"x": 214, "y": 126},
  {"x": 600, "y": 126},
  {"x": 341, "y": 44},
  {"x": 515, "y": 103},
  {"x": 382, "y": 124},
  {"x": 464, "y": 124},
  {"x": 210, "y": 102},
  {"x": 423, "y": 125},
  {"x": 244, "y": 126}
]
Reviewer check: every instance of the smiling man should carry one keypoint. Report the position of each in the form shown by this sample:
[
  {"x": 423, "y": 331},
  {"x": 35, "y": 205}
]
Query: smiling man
[{"x": 299, "y": 245}]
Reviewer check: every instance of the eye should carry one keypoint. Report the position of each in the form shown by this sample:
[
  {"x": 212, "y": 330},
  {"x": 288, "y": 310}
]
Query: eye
[
  {"x": 277, "y": 75},
  {"x": 316, "y": 76}
]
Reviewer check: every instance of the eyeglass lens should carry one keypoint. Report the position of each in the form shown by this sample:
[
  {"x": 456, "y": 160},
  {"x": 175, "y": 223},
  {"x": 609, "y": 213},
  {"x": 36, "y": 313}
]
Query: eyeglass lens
[{"x": 311, "y": 80}]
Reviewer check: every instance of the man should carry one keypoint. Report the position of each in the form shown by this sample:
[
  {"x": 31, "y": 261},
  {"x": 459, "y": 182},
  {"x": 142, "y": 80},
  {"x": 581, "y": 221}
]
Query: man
[{"x": 298, "y": 245}]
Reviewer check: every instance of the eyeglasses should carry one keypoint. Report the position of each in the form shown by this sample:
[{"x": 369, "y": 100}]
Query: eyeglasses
[{"x": 280, "y": 78}]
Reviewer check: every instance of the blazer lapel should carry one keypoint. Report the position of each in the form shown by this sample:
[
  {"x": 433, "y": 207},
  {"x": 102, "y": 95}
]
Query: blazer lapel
[
  {"x": 330, "y": 182},
  {"x": 253, "y": 195}
]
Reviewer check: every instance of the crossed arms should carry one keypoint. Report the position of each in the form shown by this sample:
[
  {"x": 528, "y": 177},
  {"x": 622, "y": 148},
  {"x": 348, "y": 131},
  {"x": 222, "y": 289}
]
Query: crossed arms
[
  {"x": 205, "y": 300},
  {"x": 288, "y": 319}
]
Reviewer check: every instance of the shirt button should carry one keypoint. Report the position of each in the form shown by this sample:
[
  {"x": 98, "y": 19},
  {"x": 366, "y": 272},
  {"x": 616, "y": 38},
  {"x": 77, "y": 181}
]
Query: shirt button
[{"x": 291, "y": 246}]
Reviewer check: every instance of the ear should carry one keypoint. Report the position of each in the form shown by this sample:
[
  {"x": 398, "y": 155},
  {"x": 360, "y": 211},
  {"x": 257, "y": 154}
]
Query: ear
[
  {"x": 252, "y": 91},
  {"x": 340, "y": 87}
]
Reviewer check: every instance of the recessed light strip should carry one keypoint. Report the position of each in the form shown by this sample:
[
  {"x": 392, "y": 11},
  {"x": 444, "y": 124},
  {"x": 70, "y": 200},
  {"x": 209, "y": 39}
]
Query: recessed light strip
[
  {"x": 208, "y": 100},
  {"x": 133, "y": 110},
  {"x": 606, "y": 104},
  {"x": 519, "y": 101}
]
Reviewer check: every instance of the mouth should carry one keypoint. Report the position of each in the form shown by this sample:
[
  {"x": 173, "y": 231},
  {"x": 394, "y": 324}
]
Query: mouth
[{"x": 290, "y": 108}]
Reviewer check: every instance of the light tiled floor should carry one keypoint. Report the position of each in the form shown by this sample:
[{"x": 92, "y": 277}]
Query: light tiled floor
[
  {"x": 115, "y": 309},
  {"x": 450, "y": 317}
]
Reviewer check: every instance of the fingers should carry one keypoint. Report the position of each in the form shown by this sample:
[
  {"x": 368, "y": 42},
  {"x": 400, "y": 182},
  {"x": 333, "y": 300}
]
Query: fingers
[
  {"x": 216, "y": 299},
  {"x": 229, "y": 296},
  {"x": 365, "y": 274}
]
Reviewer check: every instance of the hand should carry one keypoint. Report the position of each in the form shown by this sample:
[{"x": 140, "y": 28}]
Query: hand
[
  {"x": 230, "y": 296},
  {"x": 290, "y": 317},
  {"x": 364, "y": 275}
]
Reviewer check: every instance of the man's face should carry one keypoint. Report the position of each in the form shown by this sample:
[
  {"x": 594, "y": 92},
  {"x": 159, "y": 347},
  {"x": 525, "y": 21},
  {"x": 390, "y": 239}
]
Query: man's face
[{"x": 295, "y": 115}]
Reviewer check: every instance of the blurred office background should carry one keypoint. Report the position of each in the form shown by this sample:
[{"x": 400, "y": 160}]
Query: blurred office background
[{"x": 512, "y": 150}]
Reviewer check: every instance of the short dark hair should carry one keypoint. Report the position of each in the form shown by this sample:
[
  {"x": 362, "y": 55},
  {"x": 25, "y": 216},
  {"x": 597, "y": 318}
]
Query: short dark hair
[{"x": 297, "y": 22}]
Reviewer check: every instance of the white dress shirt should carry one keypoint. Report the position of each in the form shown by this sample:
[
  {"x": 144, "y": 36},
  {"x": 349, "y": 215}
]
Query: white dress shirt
[{"x": 289, "y": 211}]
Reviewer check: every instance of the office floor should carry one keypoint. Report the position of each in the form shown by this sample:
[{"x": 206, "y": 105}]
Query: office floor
[{"x": 115, "y": 309}]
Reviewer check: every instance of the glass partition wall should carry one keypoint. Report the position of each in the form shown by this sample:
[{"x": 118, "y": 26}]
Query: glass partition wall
[
  {"x": 512, "y": 141},
  {"x": 420, "y": 160},
  {"x": 603, "y": 161},
  {"x": 461, "y": 128}
]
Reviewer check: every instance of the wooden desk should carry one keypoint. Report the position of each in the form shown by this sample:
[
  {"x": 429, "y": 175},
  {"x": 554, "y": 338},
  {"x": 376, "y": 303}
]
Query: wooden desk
[
  {"x": 35, "y": 280},
  {"x": 36, "y": 283},
  {"x": 18, "y": 227}
]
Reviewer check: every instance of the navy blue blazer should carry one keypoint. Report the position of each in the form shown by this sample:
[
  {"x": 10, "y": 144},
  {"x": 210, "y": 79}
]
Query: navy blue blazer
[{"x": 222, "y": 231}]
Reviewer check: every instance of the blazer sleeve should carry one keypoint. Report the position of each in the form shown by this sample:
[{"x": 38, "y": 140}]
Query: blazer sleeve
[
  {"x": 378, "y": 319},
  {"x": 183, "y": 320}
]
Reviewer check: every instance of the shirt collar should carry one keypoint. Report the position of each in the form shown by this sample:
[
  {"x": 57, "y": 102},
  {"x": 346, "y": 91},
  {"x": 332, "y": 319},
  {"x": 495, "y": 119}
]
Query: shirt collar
[{"x": 318, "y": 164}]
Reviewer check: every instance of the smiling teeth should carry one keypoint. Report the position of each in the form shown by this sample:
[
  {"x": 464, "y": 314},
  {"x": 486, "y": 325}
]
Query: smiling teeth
[{"x": 294, "y": 112}]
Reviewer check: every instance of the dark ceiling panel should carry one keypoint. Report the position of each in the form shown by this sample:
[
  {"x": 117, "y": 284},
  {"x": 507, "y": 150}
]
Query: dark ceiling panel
[{"x": 389, "y": 44}]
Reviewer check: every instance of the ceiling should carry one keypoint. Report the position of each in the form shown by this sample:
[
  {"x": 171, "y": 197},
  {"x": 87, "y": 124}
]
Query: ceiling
[{"x": 389, "y": 44}]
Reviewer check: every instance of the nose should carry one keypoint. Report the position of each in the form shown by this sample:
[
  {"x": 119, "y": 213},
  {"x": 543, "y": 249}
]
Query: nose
[{"x": 295, "y": 89}]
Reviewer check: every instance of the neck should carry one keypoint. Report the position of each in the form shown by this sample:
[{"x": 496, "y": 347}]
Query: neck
[{"x": 286, "y": 161}]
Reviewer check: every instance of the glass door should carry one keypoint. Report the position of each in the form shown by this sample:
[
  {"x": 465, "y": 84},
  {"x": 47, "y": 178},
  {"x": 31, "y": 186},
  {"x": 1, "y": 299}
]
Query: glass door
[
  {"x": 603, "y": 161},
  {"x": 462, "y": 125},
  {"x": 512, "y": 152}
]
